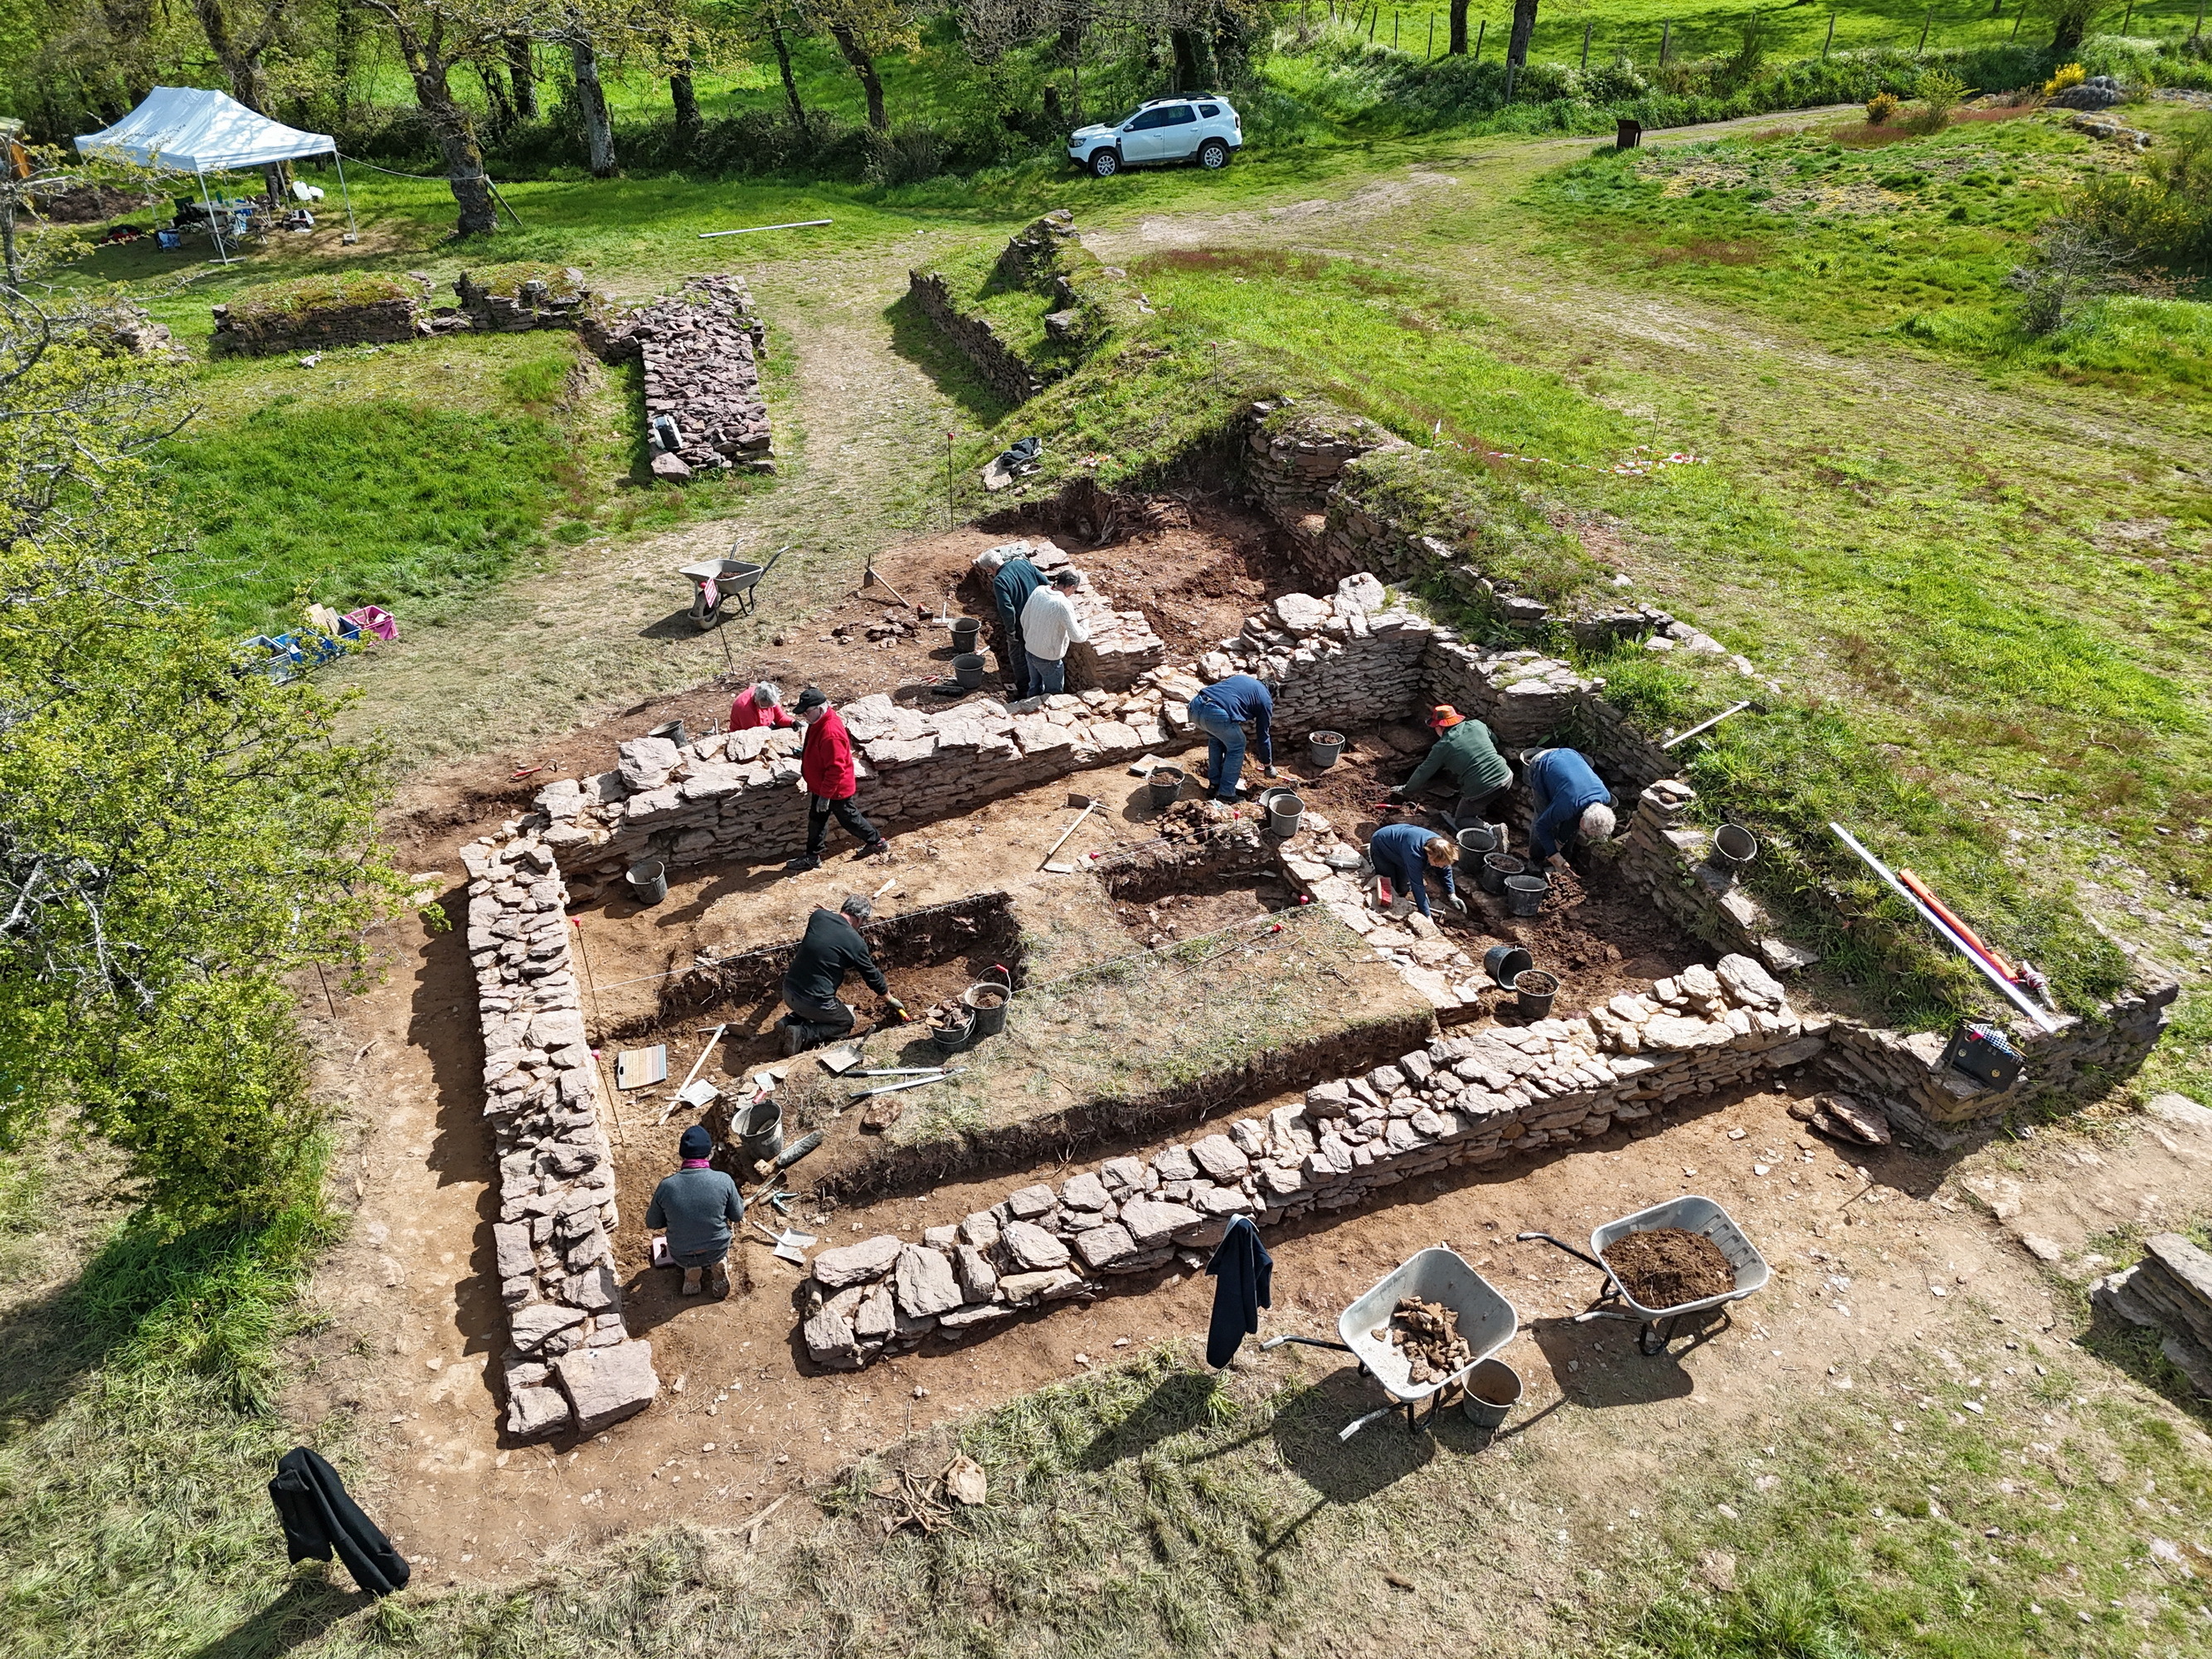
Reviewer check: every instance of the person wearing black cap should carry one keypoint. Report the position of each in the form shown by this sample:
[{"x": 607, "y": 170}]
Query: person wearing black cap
[
  {"x": 825, "y": 767},
  {"x": 698, "y": 1205},
  {"x": 831, "y": 949}
]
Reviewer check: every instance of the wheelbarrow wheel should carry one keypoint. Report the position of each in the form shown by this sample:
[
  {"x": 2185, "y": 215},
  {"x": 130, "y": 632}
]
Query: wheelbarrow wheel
[{"x": 703, "y": 618}]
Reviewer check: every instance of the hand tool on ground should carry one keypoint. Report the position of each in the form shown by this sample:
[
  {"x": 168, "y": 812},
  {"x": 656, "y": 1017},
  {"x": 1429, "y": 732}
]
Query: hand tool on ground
[
  {"x": 2018, "y": 998},
  {"x": 885, "y": 888},
  {"x": 683, "y": 1098},
  {"x": 1089, "y": 804},
  {"x": 895, "y": 1088},
  {"x": 753, "y": 230},
  {"x": 789, "y": 1244},
  {"x": 900, "y": 1070},
  {"x": 1957, "y": 926},
  {"x": 840, "y": 1058},
  {"x": 1704, "y": 725}
]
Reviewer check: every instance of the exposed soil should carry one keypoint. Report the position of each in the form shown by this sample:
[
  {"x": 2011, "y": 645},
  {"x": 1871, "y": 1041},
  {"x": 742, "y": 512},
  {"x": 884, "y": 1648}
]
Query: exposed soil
[
  {"x": 1668, "y": 1268},
  {"x": 1210, "y": 903},
  {"x": 1198, "y": 576}
]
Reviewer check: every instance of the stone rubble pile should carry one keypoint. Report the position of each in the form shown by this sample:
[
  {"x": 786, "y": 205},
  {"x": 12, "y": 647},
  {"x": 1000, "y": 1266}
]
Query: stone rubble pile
[
  {"x": 535, "y": 303},
  {"x": 569, "y": 1364},
  {"x": 701, "y": 351},
  {"x": 1460, "y": 1100}
]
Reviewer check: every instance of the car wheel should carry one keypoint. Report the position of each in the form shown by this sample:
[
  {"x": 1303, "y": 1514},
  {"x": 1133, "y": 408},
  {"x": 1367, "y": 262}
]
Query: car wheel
[
  {"x": 1214, "y": 154},
  {"x": 1105, "y": 164}
]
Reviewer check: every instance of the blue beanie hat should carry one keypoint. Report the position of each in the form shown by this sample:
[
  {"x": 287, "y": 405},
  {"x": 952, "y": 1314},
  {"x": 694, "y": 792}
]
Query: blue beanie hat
[{"x": 696, "y": 1142}]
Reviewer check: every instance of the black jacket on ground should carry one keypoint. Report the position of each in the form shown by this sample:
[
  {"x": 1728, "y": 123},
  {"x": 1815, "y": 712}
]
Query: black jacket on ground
[
  {"x": 833, "y": 948},
  {"x": 317, "y": 1517},
  {"x": 1244, "y": 1274}
]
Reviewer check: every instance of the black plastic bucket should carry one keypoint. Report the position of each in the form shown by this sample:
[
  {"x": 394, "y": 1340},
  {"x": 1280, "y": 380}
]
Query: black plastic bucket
[
  {"x": 987, "y": 1000},
  {"x": 1533, "y": 992},
  {"x": 951, "y": 1040},
  {"x": 1496, "y": 867},
  {"x": 1323, "y": 747},
  {"x": 1503, "y": 962},
  {"x": 1524, "y": 895},
  {"x": 673, "y": 731},
  {"x": 1167, "y": 784},
  {"x": 1475, "y": 845},
  {"x": 968, "y": 669},
  {"x": 758, "y": 1131},
  {"x": 649, "y": 881},
  {"x": 964, "y": 630}
]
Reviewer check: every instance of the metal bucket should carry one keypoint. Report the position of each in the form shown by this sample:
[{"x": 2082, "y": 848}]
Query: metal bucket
[
  {"x": 649, "y": 881},
  {"x": 1494, "y": 1389},
  {"x": 1475, "y": 845},
  {"x": 1534, "y": 989},
  {"x": 1496, "y": 867},
  {"x": 1167, "y": 784},
  {"x": 1323, "y": 747},
  {"x": 758, "y": 1131},
  {"x": 987, "y": 1000},
  {"x": 968, "y": 669},
  {"x": 1524, "y": 895},
  {"x": 1505, "y": 963},
  {"x": 1734, "y": 846},
  {"x": 1283, "y": 813}
]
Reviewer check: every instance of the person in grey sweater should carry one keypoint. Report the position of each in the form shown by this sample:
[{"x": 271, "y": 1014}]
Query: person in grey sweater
[{"x": 698, "y": 1205}]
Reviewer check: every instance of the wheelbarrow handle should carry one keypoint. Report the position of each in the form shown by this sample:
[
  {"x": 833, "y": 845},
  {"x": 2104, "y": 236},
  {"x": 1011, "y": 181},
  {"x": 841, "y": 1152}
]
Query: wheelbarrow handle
[
  {"x": 1579, "y": 1255},
  {"x": 1308, "y": 1341}
]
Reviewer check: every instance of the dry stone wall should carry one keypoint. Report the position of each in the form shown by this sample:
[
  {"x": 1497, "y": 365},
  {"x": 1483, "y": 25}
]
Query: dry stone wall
[
  {"x": 1002, "y": 370},
  {"x": 245, "y": 328},
  {"x": 1473, "y": 1099},
  {"x": 700, "y": 349},
  {"x": 570, "y": 1363},
  {"x": 535, "y": 303}
]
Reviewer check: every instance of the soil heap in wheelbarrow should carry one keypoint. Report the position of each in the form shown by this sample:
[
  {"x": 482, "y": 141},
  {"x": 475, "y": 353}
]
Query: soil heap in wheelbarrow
[
  {"x": 1428, "y": 1333},
  {"x": 1667, "y": 1268}
]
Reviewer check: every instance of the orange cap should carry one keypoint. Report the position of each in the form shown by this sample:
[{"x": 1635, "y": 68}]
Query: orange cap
[{"x": 1443, "y": 716}]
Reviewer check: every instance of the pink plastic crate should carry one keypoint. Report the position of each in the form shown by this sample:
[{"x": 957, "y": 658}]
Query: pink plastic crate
[{"x": 375, "y": 619}]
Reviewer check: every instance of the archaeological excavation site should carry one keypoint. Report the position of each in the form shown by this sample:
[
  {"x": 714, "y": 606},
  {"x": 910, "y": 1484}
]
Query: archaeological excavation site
[{"x": 1130, "y": 1015}]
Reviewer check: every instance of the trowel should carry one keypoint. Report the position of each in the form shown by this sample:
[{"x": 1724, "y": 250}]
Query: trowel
[{"x": 840, "y": 1058}]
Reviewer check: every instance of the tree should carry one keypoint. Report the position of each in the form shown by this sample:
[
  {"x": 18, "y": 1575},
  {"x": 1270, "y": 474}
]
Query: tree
[
  {"x": 31, "y": 174},
  {"x": 433, "y": 36},
  {"x": 1457, "y": 48},
  {"x": 2073, "y": 264},
  {"x": 2070, "y": 21},
  {"x": 522, "y": 74},
  {"x": 1524, "y": 25},
  {"x": 240, "y": 35},
  {"x": 772, "y": 21},
  {"x": 181, "y": 836},
  {"x": 862, "y": 29}
]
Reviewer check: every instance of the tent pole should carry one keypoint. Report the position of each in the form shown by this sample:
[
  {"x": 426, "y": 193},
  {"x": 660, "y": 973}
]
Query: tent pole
[
  {"x": 353, "y": 230},
  {"x": 214, "y": 227}
]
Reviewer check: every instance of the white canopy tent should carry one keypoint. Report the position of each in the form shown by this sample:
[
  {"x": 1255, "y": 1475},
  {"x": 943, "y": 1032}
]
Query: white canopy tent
[{"x": 192, "y": 130}]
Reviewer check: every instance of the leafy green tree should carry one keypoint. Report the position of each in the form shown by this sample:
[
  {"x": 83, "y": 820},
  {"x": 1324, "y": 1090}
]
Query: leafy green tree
[{"x": 183, "y": 837}]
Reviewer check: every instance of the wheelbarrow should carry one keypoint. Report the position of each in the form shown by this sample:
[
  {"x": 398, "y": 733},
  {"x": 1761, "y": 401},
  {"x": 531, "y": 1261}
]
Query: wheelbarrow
[
  {"x": 1692, "y": 1214},
  {"x": 717, "y": 584},
  {"x": 1487, "y": 1321}
]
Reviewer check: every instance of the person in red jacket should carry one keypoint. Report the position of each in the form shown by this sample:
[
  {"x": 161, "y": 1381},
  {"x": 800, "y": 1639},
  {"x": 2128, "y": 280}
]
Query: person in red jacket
[
  {"x": 759, "y": 705},
  {"x": 825, "y": 766}
]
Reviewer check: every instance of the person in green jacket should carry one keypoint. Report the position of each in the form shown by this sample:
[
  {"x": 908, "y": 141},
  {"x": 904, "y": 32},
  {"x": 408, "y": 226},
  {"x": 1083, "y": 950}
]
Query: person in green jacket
[{"x": 1466, "y": 752}]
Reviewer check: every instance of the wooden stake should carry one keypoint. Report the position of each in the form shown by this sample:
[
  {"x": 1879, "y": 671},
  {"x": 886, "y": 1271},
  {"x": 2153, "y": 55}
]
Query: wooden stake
[
  {"x": 1830, "y": 41},
  {"x": 1586, "y": 27}
]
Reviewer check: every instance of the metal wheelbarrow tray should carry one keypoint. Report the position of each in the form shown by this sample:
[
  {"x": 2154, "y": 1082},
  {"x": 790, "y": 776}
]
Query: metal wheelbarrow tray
[
  {"x": 1692, "y": 1213},
  {"x": 1487, "y": 1322}
]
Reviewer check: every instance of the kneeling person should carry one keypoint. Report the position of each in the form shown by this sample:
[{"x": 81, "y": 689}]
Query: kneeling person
[
  {"x": 831, "y": 949},
  {"x": 698, "y": 1205},
  {"x": 1571, "y": 802},
  {"x": 1404, "y": 853},
  {"x": 1467, "y": 754}
]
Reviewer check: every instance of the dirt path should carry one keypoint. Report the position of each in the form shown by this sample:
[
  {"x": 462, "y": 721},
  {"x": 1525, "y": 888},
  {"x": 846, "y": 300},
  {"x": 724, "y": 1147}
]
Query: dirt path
[{"x": 855, "y": 427}]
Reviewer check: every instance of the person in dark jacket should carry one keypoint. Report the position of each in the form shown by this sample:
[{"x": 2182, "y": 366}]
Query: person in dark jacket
[
  {"x": 1467, "y": 754},
  {"x": 825, "y": 766},
  {"x": 1404, "y": 853},
  {"x": 1572, "y": 802},
  {"x": 1220, "y": 711},
  {"x": 831, "y": 949},
  {"x": 698, "y": 1205},
  {"x": 1011, "y": 584}
]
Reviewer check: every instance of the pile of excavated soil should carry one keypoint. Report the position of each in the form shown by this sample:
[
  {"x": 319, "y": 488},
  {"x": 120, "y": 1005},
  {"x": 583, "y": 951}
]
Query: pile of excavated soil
[
  {"x": 1666, "y": 1268},
  {"x": 1428, "y": 1332}
]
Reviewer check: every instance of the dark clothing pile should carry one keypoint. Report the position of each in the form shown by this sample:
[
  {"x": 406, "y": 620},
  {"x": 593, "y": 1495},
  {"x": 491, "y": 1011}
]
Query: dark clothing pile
[
  {"x": 1244, "y": 1282},
  {"x": 318, "y": 1518}
]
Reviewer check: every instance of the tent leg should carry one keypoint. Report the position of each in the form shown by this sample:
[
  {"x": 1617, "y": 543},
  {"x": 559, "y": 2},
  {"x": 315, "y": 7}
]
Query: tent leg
[
  {"x": 353, "y": 230},
  {"x": 215, "y": 227}
]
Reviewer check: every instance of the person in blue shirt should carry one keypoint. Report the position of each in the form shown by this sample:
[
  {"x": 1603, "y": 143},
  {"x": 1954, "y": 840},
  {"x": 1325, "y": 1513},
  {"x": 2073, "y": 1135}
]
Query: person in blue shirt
[
  {"x": 1011, "y": 584},
  {"x": 1571, "y": 800},
  {"x": 1404, "y": 853},
  {"x": 1220, "y": 712}
]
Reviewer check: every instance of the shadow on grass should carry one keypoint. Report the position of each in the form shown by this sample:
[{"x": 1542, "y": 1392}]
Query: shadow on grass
[
  {"x": 308, "y": 1607},
  {"x": 915, "y": 338}
]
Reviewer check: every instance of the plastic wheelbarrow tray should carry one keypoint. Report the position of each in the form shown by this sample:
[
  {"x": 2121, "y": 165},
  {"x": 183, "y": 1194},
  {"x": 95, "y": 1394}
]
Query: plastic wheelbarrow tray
[
  {"x": 1692, "y": 1213},
  {"x": 1487, "y": 1322}
]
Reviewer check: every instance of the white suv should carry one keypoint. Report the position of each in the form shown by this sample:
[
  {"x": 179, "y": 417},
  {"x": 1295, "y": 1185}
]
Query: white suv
[{"x": 1201, "y": 128}]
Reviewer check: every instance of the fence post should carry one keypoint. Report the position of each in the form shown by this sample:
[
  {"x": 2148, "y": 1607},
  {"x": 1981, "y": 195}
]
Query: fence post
[
  {"x": 1432, "y": 35},
  {"x": 1586, "y": 27},
  {"x": 2128, "y": 21},
  {"x": 1830, "y": 41},
  {"x": 1926, "y": 19},
  {"x": 1666, "y": 41},
  {"x": 1481, "y": 28},
  {"x": 2018, "y": 12},
  {"x": 1393, "y": 28}
]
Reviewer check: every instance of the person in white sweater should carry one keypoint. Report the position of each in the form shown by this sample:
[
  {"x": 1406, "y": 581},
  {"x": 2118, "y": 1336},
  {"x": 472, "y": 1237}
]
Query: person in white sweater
[{"x": 1049, "y": 626}]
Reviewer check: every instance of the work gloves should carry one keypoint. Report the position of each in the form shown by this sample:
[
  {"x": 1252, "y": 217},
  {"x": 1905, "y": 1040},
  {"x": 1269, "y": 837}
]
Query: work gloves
[{"x": 1456, "y": 902}]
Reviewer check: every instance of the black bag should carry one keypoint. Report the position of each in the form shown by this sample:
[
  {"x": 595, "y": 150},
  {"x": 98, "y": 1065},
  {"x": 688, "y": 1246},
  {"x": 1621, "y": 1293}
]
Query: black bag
[{"x": 317, "y": 1517}]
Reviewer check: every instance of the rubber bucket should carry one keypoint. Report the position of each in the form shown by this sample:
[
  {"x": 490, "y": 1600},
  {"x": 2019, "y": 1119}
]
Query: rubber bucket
[
  {"x": 1734, "y": 846},
  {"x": 953, "y": 1040},
  {"x": 964, "y": 632},
  {"x": 649, "y": 881},
  {"x": 986, "y": 999},
  {"x": 1505, "y": 963},
  {"x": 1283, "y": 813},
  {"x": 1323, "y": 747},
  {"x": 1524, "y": 895},
  {"x": 968, "y": 669},
  {"x": 673, "y": 731},
  {"x": 1535, "y": 990},
  {"x": 1496, "y": 867},
  {"x": 1494, "y": 1389},
  {"x": 1167, "y": 784},
  {"x": 758, "y": 1131},
  {"x": 1474, "y": 845}
]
